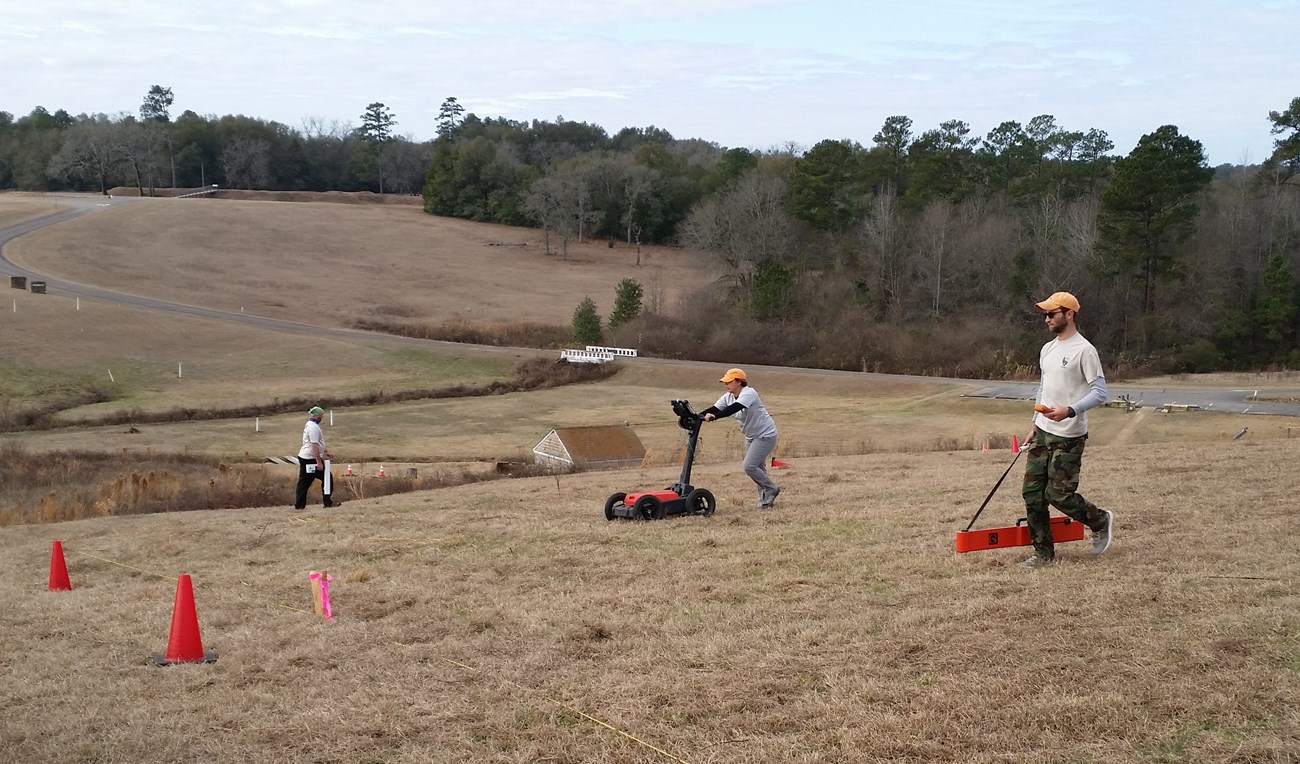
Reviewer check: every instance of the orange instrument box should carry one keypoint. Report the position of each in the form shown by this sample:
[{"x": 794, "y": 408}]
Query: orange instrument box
[{"x": 1063, "y": 529}]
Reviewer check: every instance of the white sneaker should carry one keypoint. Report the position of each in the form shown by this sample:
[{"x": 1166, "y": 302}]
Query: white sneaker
[
  {"x": 1038, "y": 562},
  {"x": 1101, "y": 538}
]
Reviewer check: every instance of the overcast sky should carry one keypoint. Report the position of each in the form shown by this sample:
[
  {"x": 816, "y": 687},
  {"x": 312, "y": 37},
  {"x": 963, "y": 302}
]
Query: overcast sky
[{"x": 753, "y": 73}]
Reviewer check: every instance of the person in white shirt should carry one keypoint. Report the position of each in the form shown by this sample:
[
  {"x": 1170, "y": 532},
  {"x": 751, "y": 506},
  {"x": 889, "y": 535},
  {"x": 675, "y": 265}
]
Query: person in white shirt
[
  {"x": 1072, "y": 382},
  {"x": 311, "y": 461},
  {"x": 756, "y": 425}
]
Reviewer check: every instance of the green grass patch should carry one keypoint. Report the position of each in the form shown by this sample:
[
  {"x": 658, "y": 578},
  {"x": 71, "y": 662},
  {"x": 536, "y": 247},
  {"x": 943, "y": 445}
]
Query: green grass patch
[{"x": 433, "y": 366}]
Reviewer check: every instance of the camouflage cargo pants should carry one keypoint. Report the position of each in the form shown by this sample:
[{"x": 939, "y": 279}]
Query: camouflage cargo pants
[{"x": 1052, "y": 477}]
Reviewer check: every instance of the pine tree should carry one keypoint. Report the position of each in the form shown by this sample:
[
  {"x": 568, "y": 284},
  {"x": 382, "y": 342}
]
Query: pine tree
[
  {"x": 586, "y": 323},
  {"x": 627, "y": 303}
]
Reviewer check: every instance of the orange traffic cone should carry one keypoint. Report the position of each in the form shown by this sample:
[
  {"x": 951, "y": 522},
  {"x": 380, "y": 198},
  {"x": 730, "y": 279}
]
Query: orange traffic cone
[
  {"x": 1015, "y": 444},
  {"x": 381, "y": 471},
  {"x": 349, "y": 472},
  {"x": 184, "y": 644},
  {"x": 778, "y": 463},
  {"x": 58, "y": 570}
]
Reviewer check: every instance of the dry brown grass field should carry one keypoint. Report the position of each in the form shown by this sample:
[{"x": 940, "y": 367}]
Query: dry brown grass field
[
  {"x": 332, "y": 264},
  {"x": 509, "y": 622},
  {"x": 19, "y": 207}
]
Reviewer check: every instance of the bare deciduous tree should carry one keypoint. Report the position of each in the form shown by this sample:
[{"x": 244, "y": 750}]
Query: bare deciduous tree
[
  {"x": 245, "y": 162},
  {"x": 638, "y": 181},
  {"x": 745, "y": 226},
  {"x": 92, "y": 150},
  {"x": 405, "y": 164},
  {"x": 882, "y": 234},
  {"x": 139, "y": 150},
  {"x": 545, "y": 203},
  {"x": 933, "y": 230}
]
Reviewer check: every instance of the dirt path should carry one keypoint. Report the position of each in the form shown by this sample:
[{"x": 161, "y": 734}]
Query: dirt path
[{"x": 1135, "y": 421}]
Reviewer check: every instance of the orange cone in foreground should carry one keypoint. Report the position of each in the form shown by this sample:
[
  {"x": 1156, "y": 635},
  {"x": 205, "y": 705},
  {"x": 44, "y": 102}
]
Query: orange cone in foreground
[
  {"x": 58, "y": 570},
  {"x": 1015, "y": 444},
  {"x": 184, "y": 644},
  {"x": 778, "y": 463}
]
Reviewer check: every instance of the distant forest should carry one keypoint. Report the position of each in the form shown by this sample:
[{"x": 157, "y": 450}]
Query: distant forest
[{"x": 920, "y": 252}]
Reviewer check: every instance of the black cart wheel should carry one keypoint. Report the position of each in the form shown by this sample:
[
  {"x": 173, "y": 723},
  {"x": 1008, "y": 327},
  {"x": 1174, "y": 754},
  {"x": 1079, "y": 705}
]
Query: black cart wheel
[
  {"x": 612, "y": 502},
  {"x": 701, "y": 502},
  {"x": 650, "y": 507}
]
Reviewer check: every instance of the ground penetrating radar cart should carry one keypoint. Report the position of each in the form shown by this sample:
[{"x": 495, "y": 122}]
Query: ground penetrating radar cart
[{"x": 680, "y": 498}]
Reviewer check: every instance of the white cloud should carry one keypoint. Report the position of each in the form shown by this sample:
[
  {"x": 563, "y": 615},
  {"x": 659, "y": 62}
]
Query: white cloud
[{"x": 578, "y": 93}]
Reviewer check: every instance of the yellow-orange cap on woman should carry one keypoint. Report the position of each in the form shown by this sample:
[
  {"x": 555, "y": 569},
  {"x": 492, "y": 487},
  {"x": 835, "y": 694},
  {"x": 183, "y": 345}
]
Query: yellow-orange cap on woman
[{"x": 732, "y": 375}]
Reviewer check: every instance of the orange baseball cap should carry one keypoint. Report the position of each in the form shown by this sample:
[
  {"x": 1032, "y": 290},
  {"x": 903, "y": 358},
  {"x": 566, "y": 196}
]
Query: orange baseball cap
[
  {"x": 1059, "y": 300},
  {"x": 732, "y": 375}
]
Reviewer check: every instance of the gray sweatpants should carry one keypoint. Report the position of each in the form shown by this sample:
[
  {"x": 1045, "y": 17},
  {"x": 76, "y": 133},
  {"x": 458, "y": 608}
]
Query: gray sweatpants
[{"x": 756, "y": 452}]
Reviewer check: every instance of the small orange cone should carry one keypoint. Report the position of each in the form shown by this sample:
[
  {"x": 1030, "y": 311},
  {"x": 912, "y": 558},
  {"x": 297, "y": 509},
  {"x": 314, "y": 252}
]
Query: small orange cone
[
  {"x": 349, "y": 472},
  {"x": 58, "y": 570},
  {"x": 1015, "y": 444},
  {"x": 184, "y": 645},
  {"x": 381, "y": 471},
  {"x": 778, "y": 463}
]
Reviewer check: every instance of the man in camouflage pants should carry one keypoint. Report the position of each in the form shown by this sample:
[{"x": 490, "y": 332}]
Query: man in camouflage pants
[{"x": 1072, "y": 382}]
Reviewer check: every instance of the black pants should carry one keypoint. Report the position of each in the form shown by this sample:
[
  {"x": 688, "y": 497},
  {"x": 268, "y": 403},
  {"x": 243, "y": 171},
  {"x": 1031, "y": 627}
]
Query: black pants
[{"x": 305, "y": 479}]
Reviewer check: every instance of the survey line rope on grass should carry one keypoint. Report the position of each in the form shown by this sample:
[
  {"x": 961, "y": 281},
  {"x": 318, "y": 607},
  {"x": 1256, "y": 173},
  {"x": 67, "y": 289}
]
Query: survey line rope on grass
[
  {"x": 121, "y": 564},
  {"x": 568, "y": 707},
  {"x": 164, "y": 575}
]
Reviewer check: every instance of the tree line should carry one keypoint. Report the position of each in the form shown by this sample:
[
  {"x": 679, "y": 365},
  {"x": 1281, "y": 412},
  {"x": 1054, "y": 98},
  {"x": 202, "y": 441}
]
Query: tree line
[
  {"x": 924, "y": 250},
  {"x": 921, "y": 250},
  {"x": 150, "y": 149}
]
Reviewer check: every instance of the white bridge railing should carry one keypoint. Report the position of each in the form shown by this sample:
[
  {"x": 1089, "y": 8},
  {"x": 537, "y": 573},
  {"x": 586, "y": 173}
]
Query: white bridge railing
[
  {"x": 205, "y": 190},
  {"x": 586, "y": 356},
  {"x": 597, "y": 354},
  {"x": 627, "y": 352}
]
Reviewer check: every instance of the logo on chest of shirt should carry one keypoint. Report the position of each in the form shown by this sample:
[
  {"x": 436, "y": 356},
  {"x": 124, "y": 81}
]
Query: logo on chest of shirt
[{"x": 1065, "y": 362}]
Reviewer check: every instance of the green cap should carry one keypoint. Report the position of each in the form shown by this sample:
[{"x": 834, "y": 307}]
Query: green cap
[{"x": 314, "y": 410}]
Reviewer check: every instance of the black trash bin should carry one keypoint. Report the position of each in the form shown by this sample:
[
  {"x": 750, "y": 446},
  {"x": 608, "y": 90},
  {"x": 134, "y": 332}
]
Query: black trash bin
[{"x": 18, "y": 282}]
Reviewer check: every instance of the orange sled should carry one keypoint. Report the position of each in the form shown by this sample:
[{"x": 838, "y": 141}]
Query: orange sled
[{"x": 1063, "y": 529}]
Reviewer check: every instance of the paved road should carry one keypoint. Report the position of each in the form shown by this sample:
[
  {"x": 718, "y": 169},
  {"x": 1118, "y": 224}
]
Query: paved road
[
  {"x": 1232, "y": 400},
  {"x": 1212, "y": 399}
]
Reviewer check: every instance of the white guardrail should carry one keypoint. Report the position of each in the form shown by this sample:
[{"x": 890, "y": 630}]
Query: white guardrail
[
  {"x": 628, "y": 352},
  {"x": 597, "y": 354},
  {"x": 202, "y": 191}
]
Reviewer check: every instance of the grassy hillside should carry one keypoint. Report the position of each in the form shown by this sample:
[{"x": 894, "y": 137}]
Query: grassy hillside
[{"x": 511, "y": 622}]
